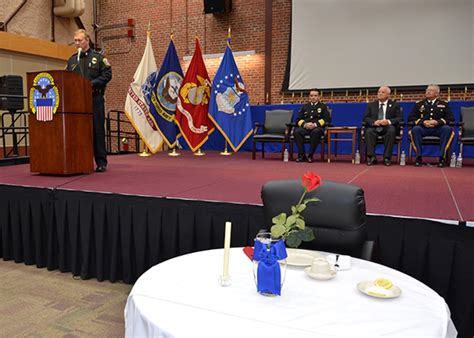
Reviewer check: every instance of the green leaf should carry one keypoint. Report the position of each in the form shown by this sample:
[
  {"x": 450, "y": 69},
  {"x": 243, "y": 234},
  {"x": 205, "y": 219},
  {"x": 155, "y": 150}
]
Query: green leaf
[
  {"x": 294, "y": 210},
  {"x": 278, "y": 230},
  {"x": 300, "y": 223},
  {"x": 305, "y": 235},
  {"x": 292, "y": 240},
  {"x": 313, "y": 199},
  {"x": 301, "y": 207},
  {"x": 291, "y": 220},
  {"x": 280, "y": 219}
]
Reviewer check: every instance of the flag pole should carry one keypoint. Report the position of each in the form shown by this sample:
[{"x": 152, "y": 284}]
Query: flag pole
[
  {"x": 173, "y": 152},
  {"x": 145, "y": 152},
  {"x": 199, "y": 152},
  {"x": 225, "y": 152}
]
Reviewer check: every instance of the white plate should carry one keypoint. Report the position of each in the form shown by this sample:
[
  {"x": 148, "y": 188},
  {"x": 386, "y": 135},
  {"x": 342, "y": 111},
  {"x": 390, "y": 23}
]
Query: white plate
[
  {"x": 330, "y": 275},
  {"x": 370, "y": 289},
  {"x": 300, "y": 257}
]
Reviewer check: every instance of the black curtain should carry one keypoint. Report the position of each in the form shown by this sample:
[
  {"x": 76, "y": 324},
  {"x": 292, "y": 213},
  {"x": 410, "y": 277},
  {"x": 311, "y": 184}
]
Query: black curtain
[{"x": 116, "y": 237}]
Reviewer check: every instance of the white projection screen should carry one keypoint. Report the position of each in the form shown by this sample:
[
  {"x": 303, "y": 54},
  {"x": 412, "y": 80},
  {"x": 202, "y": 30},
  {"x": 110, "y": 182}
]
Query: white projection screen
[{"x": 368, "y": 43}]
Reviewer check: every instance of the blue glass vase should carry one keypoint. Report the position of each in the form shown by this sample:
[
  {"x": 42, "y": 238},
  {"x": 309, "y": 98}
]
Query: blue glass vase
[{"x": 269, "y": 264}]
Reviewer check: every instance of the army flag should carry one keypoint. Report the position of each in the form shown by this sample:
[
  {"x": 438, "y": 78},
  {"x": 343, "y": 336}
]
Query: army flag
[
  {"x": 139, "y": 100},
  {"x": 193, "y": 103},
  {"x": 165, "y": 95},
  {"x": 229, "y": 107}
]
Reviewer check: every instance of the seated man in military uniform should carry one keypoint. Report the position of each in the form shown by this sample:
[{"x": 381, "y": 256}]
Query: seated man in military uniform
[
  {"x": 312, "y": 119},
  {"x": 431, "y": 117}
]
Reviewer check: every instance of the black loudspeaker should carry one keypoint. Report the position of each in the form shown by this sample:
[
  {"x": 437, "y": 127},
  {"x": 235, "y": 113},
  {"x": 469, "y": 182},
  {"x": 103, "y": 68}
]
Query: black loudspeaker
[
  {"x": 11, "y": 85},
  {"x": 217, "y": 6}
]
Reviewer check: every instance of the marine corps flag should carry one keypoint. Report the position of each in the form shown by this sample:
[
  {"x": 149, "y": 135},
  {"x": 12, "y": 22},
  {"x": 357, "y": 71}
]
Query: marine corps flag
[
  {"x": 165, "y": 95},
  {"x": 229, "y": 108},
  {"x": 139, "y": 100},
  {"x": 193, "y": 103}
]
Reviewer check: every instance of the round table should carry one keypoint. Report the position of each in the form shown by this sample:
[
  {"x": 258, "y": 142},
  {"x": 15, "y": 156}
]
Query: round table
[{"x": 182, "y": 297}]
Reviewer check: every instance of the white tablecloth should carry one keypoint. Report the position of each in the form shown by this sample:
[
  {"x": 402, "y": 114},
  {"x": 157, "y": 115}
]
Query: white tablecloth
[{"x": 182, "y": 298}]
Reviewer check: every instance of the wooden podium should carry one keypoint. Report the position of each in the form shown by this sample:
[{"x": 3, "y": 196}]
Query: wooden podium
[{"x": 63, "y": 145}]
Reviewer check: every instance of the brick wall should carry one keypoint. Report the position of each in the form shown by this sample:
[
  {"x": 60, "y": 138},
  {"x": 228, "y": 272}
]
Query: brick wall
[{"x": 185, "y": 18}]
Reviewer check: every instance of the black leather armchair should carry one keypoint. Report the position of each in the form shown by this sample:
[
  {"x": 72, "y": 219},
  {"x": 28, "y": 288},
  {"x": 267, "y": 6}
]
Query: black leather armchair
[
  {"x": 466, "y": 131},
  {"x": 338, "y": 220},
  {"x": 276, "y": 129}
]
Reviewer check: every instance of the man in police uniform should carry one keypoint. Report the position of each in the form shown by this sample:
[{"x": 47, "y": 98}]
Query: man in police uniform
[
  {"x": 312, "y": 119},
  {"x": 431, "y": 117},
  {"x": 94, "y": 67}
]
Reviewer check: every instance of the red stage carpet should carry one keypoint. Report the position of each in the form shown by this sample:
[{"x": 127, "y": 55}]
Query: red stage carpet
[{"x": 427, "y": 192}]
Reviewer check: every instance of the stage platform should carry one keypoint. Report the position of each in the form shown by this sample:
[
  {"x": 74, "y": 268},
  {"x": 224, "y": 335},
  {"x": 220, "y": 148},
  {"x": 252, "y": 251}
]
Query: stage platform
[
  {"x": 115, "y": 225},
  {"x": 427, "y": 192}
]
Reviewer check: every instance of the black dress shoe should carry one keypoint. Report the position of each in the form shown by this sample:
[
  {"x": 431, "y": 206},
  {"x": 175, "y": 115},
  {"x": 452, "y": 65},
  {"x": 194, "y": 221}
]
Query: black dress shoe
[
  {"x": 387, "y": 162},
  {"x": 418, "y": 162},
  {"x": 101, "y": 169},
  {"x": 301, "y": 158},
  {"x": 441, "y": 163},
  {"x": 372, "y": 160}
]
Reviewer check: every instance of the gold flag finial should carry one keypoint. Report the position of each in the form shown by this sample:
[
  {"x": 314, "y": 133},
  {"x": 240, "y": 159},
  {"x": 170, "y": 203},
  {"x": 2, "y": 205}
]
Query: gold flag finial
[{"x": 148, "y": 30}]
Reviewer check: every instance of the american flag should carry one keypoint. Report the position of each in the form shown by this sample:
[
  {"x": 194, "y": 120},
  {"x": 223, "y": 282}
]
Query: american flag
[{"x": 44, "y": 109}]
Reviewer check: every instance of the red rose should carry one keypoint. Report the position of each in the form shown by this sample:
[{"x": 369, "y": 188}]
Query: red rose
[{"x": 310, "y": 181}]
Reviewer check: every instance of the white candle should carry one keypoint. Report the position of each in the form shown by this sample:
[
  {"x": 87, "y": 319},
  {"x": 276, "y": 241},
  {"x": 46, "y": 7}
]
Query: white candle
[{"x": 228, "y": 227}]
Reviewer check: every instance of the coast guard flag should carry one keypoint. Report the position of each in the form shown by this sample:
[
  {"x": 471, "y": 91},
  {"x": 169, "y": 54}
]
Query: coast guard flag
[
  {"x": 139, "y": 100},
  {"x": 165, "y": 95},
  {"x": 229, "y": 108},
  {"x": 193, "y": 103}
]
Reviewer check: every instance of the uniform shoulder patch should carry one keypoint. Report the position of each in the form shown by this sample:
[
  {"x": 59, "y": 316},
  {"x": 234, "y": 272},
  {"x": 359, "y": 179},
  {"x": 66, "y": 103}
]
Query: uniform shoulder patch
[{"x": 106, "y": 62}]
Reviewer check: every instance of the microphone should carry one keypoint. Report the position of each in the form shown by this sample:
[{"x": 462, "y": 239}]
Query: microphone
[{"x": 79, "y": 50}]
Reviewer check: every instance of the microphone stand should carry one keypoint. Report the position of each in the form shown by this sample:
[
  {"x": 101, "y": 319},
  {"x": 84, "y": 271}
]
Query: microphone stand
[{"x": 81, "y": 71}]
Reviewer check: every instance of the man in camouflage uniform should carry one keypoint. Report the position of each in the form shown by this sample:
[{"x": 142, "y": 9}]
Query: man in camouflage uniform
[
  {"x": 431, "y": 117},
  {"x": 94, "y": 67},
  {"x": 312, "y": 119}
]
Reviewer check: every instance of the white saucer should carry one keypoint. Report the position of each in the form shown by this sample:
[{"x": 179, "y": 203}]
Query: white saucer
[
  {"x": 319, "y": 276},
  {"x": 370, "y": 289},
  {"x": 300, "y": 257}
]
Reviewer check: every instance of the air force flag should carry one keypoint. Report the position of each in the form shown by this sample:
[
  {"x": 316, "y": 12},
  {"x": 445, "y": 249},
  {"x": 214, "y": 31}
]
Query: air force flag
[
  {"x": 165, "y": 94},
  {"x": 229, "y": 106}
]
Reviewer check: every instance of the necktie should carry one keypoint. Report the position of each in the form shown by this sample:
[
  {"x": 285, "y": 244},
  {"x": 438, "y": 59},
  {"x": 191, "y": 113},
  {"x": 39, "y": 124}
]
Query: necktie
[{"x": 380, "y": 117}]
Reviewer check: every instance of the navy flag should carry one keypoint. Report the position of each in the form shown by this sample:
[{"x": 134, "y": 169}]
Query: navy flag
[
  {"x": 229, "y": 106},
  {"x": 165, "y": 95}
]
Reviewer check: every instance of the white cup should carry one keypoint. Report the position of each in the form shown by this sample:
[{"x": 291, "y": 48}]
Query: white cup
[{"x": 321, "y": 266}]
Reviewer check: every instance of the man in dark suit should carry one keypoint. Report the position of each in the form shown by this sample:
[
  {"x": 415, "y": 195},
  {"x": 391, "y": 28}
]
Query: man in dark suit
[
  {"x": 312, "y": 119},
  {"x": 431, "y": 117},
  {"x": 382, "y": 118}
]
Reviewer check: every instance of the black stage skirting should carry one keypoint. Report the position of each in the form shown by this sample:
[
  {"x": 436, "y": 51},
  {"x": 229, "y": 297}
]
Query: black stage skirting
[{"x": 116, "y": 237}]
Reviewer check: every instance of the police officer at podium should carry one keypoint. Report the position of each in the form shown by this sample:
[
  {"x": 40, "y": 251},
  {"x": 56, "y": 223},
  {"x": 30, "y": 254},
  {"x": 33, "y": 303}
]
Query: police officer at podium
[
  {"x": 93, "y": 66},
  {"x": 312, "y": 119}
]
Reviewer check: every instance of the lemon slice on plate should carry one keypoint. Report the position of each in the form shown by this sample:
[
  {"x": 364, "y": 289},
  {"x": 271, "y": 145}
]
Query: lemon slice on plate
[{"x": 383, "y": 283}]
